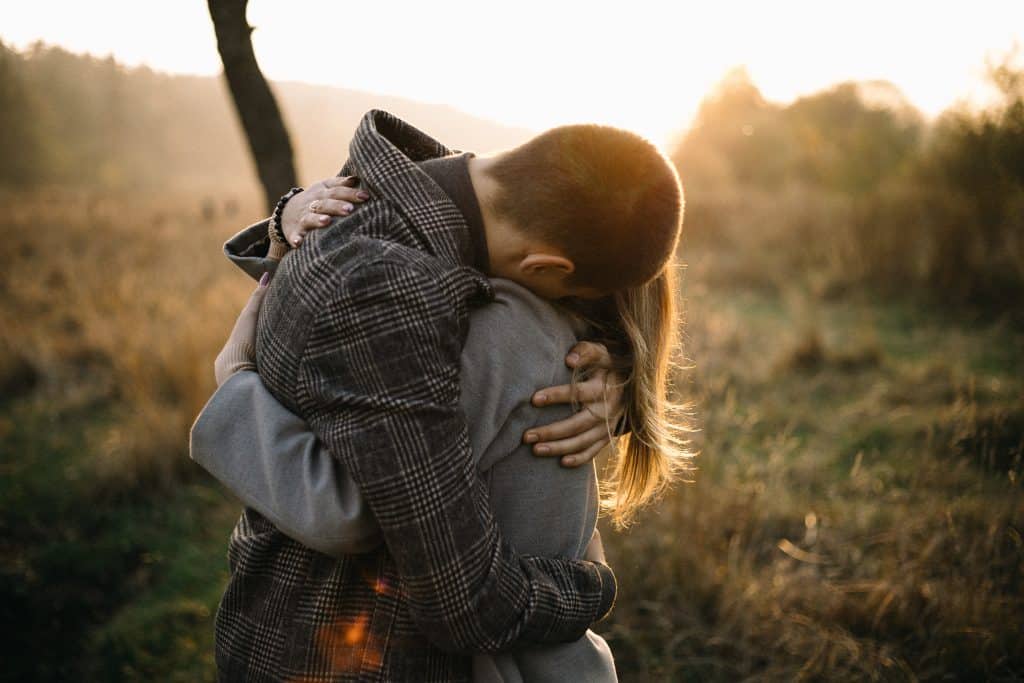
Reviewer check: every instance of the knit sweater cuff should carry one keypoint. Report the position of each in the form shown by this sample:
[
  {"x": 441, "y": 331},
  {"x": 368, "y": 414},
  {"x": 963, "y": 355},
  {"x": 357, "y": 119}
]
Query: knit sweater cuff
[
  {"x": 234, "y": 358},
  {"x": 277, "y": 250}
]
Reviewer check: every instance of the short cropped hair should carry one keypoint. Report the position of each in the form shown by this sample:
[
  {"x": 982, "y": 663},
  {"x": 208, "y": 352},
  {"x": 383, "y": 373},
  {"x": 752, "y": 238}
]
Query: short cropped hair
[{"x": 605, "y": 197}]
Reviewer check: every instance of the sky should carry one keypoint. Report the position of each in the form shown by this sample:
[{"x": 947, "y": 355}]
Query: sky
[{"x": 638, "y": 64}]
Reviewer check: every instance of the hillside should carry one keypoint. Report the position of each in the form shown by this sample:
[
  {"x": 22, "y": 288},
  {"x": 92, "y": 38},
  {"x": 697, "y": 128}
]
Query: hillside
[
  {"x": 76, "y": 119},
  {"x": 322, "y": 120}
]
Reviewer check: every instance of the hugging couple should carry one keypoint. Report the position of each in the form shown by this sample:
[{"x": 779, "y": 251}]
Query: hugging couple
[{"x": 386, "y": 421}]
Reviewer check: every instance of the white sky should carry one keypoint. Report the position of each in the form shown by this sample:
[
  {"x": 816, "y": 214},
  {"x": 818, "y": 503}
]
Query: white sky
[{"x": 640, "y": 64}]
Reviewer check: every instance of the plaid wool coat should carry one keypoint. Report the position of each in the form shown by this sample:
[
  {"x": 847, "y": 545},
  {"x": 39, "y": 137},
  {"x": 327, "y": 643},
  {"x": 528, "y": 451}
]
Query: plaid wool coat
[{"x": 361, "y": 333}]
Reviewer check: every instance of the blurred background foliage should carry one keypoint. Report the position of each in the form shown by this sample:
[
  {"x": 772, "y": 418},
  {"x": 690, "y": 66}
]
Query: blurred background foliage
[
  {"x": 91, "y": 123},
  {"x": 863, "y": 190},
  {"x": 854, "y": 329}
]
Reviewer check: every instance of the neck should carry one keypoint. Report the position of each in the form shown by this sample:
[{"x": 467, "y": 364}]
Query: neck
[{"x": 505, "y": 246}]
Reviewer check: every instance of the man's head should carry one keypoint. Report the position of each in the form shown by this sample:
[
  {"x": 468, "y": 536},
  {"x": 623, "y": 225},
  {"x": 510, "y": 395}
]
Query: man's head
[{"x": 580, "y": 210}]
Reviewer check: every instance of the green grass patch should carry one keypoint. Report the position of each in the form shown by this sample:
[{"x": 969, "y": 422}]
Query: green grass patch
[{"x": 101, "y": 586}]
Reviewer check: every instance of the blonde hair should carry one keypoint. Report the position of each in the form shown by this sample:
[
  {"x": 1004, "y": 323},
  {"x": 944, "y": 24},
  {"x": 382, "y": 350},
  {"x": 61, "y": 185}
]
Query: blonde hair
[{"x": 641, "y": 327}]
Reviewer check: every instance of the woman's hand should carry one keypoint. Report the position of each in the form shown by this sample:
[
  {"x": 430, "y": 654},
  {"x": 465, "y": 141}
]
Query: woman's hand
[
  {"x": 313, "y": 207},
  {"x": 581, "y": 437},
  {"x": 239, "y": 352}
]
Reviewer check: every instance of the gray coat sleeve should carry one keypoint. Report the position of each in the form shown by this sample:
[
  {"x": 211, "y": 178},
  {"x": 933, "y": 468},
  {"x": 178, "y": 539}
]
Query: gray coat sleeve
[
  {"x": 272, "y": 462},
  {"x": 268, "y": 457}
]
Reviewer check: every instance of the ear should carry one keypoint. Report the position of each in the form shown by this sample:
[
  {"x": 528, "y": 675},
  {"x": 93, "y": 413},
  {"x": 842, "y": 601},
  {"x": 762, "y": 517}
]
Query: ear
[{"x": 536, "y": 264}]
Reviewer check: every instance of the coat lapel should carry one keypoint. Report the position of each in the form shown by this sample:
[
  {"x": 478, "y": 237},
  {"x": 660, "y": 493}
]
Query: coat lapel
[{"x": 385, "y": 151}]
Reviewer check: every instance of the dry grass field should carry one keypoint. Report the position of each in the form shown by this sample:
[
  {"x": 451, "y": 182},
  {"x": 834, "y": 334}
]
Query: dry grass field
[{"x": 856, "y": 513}]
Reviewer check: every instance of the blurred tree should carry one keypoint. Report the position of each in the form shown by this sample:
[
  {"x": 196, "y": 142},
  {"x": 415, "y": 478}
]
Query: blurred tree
[
  {"x": 852, "y": 136},
  {"x": 268, "y": 139},
  {"x": 847, "y": 138},
  {"x": 19, "y": 130},
  {"x": 974, "y": 161},
  {"x": 852, "y": 180},
  {"x": 85, "y": 122},
  {"x": 735, "y": 139}
]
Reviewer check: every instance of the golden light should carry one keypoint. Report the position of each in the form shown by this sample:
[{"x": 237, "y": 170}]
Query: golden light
[{"x": 643, "y": 65}]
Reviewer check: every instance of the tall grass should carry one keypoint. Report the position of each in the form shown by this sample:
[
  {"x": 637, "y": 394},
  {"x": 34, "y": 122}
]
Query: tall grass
[
  {"x": 120, "y": 303},
  {"x": 857, "y": 514}
]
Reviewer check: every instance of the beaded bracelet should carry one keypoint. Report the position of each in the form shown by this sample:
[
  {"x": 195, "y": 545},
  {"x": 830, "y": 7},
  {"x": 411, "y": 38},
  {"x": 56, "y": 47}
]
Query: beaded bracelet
[{"x": 275, "y": 229}]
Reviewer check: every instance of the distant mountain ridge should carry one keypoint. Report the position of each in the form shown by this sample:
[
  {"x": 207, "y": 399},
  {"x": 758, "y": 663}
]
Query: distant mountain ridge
[
  {"x": 322, "y": 120},
  {"x": 78, "y": 119}
]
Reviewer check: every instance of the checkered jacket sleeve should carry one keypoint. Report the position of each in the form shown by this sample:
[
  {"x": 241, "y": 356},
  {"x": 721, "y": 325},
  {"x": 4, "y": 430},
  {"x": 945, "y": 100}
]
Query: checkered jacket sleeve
[{"x": 379, "y": 383}]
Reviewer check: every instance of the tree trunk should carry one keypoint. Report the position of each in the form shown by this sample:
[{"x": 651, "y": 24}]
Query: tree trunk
[{"x": 264, "y": 128}]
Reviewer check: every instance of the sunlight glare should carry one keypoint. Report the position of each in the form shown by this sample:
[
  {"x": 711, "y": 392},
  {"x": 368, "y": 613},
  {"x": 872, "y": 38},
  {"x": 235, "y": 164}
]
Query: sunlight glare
[{"x": 644, "y": 65}]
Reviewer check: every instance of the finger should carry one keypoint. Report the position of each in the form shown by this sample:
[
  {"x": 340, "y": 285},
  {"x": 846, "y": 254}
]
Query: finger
[
  {"x": 331, "y": 207},
  {"x": 577, "y": 459},
  {"x": 349, "y": 194},
  {"x": 589, "y": 354},
  {"x": 313, "y": 221},
  {"x": 340, "y": 181},
  {"x": 582, "y": 392},
  {"x": 575, "y": 444},
  {"x": 256, "y": 298},
  {"x": 261, "y": 288},
  {"x": 563, "y": 429}
]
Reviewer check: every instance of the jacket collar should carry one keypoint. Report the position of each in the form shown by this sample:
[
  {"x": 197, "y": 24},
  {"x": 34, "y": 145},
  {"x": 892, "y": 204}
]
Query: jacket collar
[{"x": 385, "y": 151}]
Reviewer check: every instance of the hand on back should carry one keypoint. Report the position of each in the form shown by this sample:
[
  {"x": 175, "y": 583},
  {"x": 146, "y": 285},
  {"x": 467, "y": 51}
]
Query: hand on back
[
  {"x": 578, "y": 439},
  {"x": 313, "y": 208}
]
